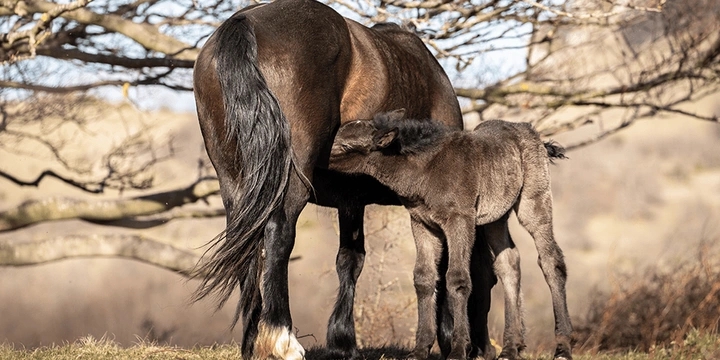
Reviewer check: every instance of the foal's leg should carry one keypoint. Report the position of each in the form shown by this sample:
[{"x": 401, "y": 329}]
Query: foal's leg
[
  {"x": 429, "y": 247},
  {"x": 444, "y": 320},
  {"x": 349, "y": 263},
  {"x": 275, "y": 339},
  {"x": 507, "y": 268},
  {"x": 460, "y": 234},
  {"x": 483, "y": 279},
  {"x": 534, "y": 212}
]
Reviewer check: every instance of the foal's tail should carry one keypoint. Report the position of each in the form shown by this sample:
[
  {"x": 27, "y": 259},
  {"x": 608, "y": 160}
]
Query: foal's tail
[
  {"x": 257, "y": 128},
  {"x": 554, "y": 150}
]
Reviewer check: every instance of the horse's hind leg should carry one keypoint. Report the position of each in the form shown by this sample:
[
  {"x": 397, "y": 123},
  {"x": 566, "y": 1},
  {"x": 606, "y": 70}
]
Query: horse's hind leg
[
  {"x": 349, "y": 263},
  {"x": 483, "y": 279},
  {"x": 275, "y": 338},
  {"x": 507, "y": 268},
  {"x": 534, "y": 212}
]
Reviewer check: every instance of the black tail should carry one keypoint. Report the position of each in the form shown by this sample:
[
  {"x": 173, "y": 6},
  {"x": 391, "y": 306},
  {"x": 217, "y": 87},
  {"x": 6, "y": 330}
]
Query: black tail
[
  {"x": 554, "y": 150},
  {"x": 257, "y": 127}
]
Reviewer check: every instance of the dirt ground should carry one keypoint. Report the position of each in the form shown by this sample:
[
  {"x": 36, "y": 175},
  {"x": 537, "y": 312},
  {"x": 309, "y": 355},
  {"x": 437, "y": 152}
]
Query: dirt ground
[{"x": 645, "y": 197}]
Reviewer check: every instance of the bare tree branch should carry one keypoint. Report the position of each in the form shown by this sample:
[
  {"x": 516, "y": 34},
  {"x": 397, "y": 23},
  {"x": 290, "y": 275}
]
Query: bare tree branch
[
  {"x": 33, "y": 35},
  {"x": 136, "y": 247},
  {"x": 127, "y": 62},
  {"x": 145, "y": 34},
  {"x": 59, "y": 89},
  {"x": 36, "y": 211},
  {"x": 87, "y": 187}
]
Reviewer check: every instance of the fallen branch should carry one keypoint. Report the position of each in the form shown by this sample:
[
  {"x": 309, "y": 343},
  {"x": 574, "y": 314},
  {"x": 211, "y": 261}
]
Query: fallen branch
[
  {"x": 136, "y": 247},
  {"x": 36, "y": 211}
]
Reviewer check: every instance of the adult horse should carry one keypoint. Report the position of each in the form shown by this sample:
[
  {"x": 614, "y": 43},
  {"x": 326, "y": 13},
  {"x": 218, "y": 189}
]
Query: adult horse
[{"x": 272, "y": 86}]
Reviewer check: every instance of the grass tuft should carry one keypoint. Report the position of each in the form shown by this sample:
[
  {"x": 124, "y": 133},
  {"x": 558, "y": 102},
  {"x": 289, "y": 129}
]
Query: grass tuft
[{"x": 695, "y": 345}]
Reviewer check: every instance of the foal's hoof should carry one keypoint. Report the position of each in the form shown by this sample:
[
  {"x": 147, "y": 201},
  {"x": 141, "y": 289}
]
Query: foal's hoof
[
  {"x": 420, "y": 354},
  {"x": 509, "y": 353},
  {"x": 457, "y": 355}
]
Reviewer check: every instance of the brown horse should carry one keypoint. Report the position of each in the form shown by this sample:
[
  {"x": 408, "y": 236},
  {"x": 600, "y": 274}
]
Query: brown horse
[{"x": 272, "y": 86}]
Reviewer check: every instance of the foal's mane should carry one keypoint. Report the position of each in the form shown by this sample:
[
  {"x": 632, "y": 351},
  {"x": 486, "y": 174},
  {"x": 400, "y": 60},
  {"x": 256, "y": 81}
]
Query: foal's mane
[{"x": 413, "y": 136}]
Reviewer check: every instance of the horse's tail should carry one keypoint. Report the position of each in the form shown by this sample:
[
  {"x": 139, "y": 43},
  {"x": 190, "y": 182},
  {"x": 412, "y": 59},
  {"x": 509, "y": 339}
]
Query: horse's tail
[
  {"x": 554, "y": 150},
  {"x": 257, "y": 128}
]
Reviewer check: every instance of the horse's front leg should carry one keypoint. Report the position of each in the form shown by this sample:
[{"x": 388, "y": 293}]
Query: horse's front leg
[
  {"x": 460, "y": 237},
  {"x": 275, "y": 339},
  {"x": 428, "y": 245},
  {"x": 349, "y": 263}
]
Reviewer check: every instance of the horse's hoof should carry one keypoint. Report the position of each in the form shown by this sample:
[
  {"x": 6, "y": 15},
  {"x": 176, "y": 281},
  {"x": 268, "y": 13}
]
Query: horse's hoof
[
  {"x": 278, "y": 343},
  {"x": 347, "y": 354}
]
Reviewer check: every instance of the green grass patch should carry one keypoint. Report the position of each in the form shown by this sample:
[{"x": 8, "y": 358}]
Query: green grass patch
[{"x": 695, "y": 346}]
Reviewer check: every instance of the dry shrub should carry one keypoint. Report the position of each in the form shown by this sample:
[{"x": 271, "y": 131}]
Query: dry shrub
[{"x": 655, "y": 307}]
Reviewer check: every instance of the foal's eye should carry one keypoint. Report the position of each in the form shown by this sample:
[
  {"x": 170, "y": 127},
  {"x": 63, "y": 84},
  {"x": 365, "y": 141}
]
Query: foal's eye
[{"x": 346, "y": 147}]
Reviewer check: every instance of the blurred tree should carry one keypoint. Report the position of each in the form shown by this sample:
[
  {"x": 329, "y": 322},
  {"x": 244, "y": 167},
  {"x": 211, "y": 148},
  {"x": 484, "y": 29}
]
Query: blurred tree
[{"x": 562, "y": 65}]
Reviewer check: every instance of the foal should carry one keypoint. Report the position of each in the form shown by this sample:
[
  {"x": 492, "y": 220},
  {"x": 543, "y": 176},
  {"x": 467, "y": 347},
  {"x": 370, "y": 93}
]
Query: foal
[{"x": 452, "y": 182}]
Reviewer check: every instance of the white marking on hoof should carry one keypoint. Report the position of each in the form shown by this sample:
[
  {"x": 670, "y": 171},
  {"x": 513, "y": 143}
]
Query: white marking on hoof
[{"x": 277, "y": 343}]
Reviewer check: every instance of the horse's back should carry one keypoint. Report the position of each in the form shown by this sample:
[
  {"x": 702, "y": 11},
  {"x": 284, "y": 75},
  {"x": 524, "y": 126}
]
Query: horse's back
[
  {"x": 303, "y": 53},
  {"x": 393, "y": 69},
  {"x": 419, "y": 68}
]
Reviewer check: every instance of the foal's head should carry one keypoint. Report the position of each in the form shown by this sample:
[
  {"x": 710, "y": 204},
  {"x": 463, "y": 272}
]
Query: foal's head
[
  {"x": 357, "y": 140},
  {"x": 359, "y": 144}
]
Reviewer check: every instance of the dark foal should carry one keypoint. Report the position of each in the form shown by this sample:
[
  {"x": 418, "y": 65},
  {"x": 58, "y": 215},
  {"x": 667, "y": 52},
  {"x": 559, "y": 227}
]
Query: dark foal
[
  {"x": 451, "y": 182},
  {"x": 272, "y": 86}
]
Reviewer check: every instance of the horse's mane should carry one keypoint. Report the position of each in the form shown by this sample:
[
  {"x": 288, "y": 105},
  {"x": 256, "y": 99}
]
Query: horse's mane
[{"x": 414, "y": 135}]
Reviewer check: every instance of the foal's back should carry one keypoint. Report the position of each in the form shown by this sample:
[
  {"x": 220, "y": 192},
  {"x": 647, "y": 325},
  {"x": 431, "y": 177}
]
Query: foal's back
[{"x": 489, "y": 166}]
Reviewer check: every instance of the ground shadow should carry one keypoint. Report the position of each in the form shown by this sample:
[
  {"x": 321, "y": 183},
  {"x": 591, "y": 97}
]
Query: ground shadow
[{"x": 377, "y": 353}]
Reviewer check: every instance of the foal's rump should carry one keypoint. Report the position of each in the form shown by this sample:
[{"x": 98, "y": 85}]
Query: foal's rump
[
  {"x": 522, "y": 135},
  {"x": 514, "y": 160}
]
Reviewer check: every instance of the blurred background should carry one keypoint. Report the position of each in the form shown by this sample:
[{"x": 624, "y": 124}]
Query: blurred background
[{"x": 107, "y": 197}]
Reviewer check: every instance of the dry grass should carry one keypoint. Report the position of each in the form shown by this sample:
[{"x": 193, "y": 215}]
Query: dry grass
[
  {"x": 657, "y": 307},
  {"x": 696, "y": 345}
]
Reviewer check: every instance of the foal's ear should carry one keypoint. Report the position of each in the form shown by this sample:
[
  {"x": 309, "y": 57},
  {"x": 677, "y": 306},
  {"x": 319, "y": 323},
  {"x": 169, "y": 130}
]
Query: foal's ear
[
  {"x": 384, "y": 139},
  {"x": 396, "y": 115}
]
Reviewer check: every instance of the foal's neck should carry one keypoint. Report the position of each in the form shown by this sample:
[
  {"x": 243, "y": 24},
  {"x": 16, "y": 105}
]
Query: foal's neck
[{"x": 403, "y": 174}]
